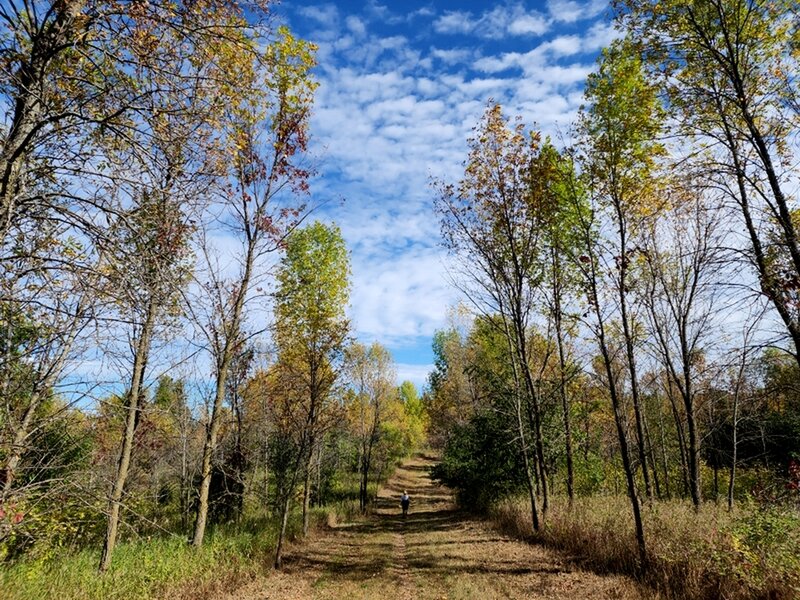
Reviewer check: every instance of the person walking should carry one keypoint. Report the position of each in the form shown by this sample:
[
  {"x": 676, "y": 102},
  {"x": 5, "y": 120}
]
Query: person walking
[{"x": 405, "y": 501}]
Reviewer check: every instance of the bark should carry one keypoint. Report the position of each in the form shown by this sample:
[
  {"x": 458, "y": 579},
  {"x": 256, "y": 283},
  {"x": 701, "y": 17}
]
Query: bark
[
  {"x": 665, "y": 464},
  {"x": 307, "y": 492},
  {"x": 131, "y": 420},
  {"x": 282, "y": 531},
  {"x": 531, "y": 480},
  {"x": 734, "y": 449},
  {"x": 630, "y": 354},
  {"x": 224, "y": 358},
  {"x": 618, "y": 417},
  {"x": 565, "y": 408}
]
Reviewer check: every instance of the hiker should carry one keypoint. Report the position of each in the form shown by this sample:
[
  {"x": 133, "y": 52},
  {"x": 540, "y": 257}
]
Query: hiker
[{"x": 404, "y": 502}]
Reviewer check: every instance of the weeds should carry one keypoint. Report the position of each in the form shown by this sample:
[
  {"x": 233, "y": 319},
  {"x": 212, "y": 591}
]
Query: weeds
[
  {"x": 169, "y": 566},
  {"x": 753, "y": 552}
]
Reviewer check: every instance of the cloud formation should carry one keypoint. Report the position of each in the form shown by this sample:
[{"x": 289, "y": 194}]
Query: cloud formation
[{"x": 398, "y": 97}]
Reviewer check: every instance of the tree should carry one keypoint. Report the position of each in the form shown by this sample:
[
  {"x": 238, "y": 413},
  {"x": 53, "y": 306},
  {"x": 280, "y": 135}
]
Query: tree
[
  {"x": 371, "y": 374},
  {"x": 621, "y": 127},
  {"x": 311, "y": 330},
  {"x": 267, "y": 137},
  {"x": 728, "y": 70},
  {"x": 488, "y": 221},
  {"x": 683, "y": 260}
]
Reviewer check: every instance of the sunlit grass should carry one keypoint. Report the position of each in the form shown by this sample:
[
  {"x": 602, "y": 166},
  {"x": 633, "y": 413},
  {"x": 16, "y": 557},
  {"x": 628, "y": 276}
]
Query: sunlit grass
[
  {"x": 153, "y": 568},
  {"x": 752, "y": 552}
]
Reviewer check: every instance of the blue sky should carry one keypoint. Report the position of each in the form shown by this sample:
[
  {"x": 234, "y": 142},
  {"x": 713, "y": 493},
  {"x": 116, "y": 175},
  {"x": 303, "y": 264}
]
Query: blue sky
[{"x": 401, "y": 85}]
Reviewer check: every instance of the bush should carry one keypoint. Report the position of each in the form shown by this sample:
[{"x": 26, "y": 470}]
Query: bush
[{"x": 481, "y": 462}]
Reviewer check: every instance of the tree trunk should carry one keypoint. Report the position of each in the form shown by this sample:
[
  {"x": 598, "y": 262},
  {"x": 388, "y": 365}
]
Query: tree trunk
[
  {"x": 307, "y": 491},
  {"x": 529, "y": 471},
  {"x": 282, "y": 530},
  {"x": 618, "y": 418},
  {"x": 694, "y": 454},
  {"x": 735, "y": 440},
  {"x": 629, "y": 350},
  {"x": 224, "y": 357},
  {"x": 131, "y": 420},
  {"x": 565, "y": 408},
  {"x": 664, "y": 461}
]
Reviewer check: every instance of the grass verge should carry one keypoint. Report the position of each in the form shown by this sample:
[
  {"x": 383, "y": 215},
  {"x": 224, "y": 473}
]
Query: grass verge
[
  {"x": 750, "y": 553},
  {"x": 162, "y": 567}
]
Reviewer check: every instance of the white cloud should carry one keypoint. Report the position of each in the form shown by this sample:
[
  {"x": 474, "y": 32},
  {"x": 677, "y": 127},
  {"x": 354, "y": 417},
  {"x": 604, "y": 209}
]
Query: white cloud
[
  {"x": 570, "y": 11},
  {"x": 513, "y": 19},
  {"x": 454, "y": 22},
  {"x": 416, "y": 374},
  {"x": 566, "y": 45},
  {"x": 325, "y": 14},
  {"x": 452, "y": 56},
  {"x": 356, "y": 26},
  {"x": 529, "y": 24}
]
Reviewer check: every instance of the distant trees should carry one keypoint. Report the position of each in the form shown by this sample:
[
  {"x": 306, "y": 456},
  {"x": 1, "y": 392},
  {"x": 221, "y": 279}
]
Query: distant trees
[{"x": 373, "y": 387}]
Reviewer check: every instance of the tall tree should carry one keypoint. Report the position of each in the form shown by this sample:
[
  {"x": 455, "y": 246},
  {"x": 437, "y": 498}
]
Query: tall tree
[
  {"x": 621, "y": 128},
  {"x": 311, "y": 330},
  {"x": 488, "y": 221},
  {"x": 267, "y": 139},
  {"x": 728, "y": 69}
]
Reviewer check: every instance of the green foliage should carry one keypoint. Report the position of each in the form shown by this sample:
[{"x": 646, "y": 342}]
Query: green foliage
[
  {"x": 481, "y": 462},
  {"x": 147, "y": 568},
  {"x": 313, "y": 286}
]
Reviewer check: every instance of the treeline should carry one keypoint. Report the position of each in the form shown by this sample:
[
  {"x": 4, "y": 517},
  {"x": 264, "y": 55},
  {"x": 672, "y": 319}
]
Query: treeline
[
  {"x": 153, "y": 207},
  {"x": 634, "y": 292}
]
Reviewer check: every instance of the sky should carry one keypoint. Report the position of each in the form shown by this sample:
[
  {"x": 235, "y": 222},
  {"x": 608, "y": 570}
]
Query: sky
[{"x": 401, "y": 86}]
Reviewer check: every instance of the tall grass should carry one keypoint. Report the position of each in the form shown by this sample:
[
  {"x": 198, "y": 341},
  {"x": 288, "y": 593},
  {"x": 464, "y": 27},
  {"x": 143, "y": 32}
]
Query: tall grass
[
  {"x": 161, "y": 567},
  {"x": 753, "y": 552}
]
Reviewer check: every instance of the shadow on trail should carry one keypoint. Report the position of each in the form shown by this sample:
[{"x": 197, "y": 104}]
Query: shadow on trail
[{"x": 434, "y": 540}]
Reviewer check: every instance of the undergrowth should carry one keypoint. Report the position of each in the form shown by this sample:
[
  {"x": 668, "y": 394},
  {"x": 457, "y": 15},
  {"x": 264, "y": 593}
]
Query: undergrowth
[
  {"x": 161, "y": 567},
  {"x": 752, "y": 552}
]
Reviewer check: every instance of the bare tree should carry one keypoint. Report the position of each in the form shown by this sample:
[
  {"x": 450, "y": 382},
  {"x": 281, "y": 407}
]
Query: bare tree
[{"x": 683, "y": 295}]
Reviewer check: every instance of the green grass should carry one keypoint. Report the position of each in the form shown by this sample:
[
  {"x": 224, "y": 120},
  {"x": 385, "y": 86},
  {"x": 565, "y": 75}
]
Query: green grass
[{"x": 158, "y": 567}]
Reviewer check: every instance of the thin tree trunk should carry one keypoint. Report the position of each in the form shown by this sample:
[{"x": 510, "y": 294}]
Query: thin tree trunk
[
  {"x": 734, "y": 455},
  {"x": 629, "y": 350},
  {"x": 307, "y": 490},
  {"x": 618, "y": 417},
  {"x": 131, "y": 420},
  {"x": 651, "y": 456},
  {"x": 562, "y": 367},
  {"x": 529, "y": 472},
  {"x": 665, "y": 464},
  {"x": 224, "y": 358},
  {"x": 282, "y": 531}
]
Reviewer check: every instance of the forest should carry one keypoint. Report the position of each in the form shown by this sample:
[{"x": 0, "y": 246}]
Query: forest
[{"x": 182, "y": 391}]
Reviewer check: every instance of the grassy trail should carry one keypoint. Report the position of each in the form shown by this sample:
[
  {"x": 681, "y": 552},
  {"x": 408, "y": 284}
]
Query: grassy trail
[{"x": 437, "y": 552}]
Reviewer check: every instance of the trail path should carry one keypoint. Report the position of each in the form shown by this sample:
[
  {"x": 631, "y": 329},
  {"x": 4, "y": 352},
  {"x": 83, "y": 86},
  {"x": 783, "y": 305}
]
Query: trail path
[{"x": 437, "y": 552}]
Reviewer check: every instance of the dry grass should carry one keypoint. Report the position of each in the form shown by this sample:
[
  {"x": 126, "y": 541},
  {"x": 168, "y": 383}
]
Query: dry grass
[{"x": 750, "y": 553}]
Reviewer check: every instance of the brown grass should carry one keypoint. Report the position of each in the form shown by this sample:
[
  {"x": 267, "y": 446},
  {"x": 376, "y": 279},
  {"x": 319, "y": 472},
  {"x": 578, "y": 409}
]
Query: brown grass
[{"x": 748, "y": 554}]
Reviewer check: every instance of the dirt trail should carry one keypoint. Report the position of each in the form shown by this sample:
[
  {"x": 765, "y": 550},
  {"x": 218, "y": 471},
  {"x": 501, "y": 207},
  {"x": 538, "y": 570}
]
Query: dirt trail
[{"x": 437, "y": 552}]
